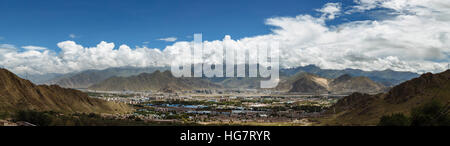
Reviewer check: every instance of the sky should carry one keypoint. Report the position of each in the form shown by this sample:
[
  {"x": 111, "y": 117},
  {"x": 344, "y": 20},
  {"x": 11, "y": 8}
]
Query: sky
[
  {"x": 138, "y": 22},
  {"x": 53, "y": 36}
]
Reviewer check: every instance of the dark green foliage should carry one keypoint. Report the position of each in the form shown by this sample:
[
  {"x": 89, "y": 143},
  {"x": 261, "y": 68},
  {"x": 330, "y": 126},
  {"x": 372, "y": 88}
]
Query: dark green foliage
[
  {"x": 394, "y": 120},
  {"x": 429, "y": 114},
  {"x": 79, "y": 119},
  {"x": 308, "y": 108},
  {"x": 177, "y": 116},
  {"x": 37, "y": 118}
]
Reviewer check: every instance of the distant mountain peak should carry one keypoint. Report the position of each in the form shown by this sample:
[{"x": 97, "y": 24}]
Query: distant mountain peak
[
  {"x": 88, "y": 78},
  {"x": 387, "y": 77},
  {"x": 310, "y": 83},
  {"x": 344, "y": 77},
  {"x": 156, "y": 81}
]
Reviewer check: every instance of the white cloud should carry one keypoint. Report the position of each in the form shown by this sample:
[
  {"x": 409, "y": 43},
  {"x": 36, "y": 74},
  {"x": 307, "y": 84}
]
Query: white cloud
[
  {"x": 72, "y": 36},
  {"x": 363, "y": 5},
  {"x": 146, "y": 42},
  {"x": 34, "y": 48},
  {"x": 4, "y": 49},
  {"x": 169, "y": 39},
  {"x": 330, "y": 10},
  {"x": 416, "y": 39},
  {"x": 7, "y": 46}
]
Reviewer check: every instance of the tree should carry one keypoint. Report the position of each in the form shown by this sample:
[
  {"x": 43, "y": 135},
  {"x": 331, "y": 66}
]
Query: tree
[
  {"x": 394, "y": 120},
  {"x": 38, "y": 118},
  {"x": 430, "y": 114}
]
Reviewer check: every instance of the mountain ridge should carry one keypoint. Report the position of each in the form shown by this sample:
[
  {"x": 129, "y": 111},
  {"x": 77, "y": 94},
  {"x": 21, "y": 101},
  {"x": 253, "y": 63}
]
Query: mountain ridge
[
  {"x": 386, "y": 77},
  {"x": 86, "y": 78},
  {"x": 310, "y": 83},
  {"x": 365, "y": 109},
  {"x": 156, "y": 81}
]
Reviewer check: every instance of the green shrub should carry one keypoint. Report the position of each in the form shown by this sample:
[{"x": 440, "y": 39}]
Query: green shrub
[
  {"x": 430, "y": 114},
  {"x": 394, "y": 120},
  {"x": 34, "y": 117}
]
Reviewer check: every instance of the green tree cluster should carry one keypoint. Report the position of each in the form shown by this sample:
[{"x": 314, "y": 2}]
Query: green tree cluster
[{"x": 430, "y": 114}]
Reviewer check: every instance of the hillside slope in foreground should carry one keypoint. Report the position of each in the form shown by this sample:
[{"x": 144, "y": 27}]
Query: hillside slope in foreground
[
  {"x": 19, "y": 94},
  {"x": 364, "y": 109}
]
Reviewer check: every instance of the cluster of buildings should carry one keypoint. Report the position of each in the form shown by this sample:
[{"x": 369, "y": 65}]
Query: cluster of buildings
[{"x": 217, "y": 105}]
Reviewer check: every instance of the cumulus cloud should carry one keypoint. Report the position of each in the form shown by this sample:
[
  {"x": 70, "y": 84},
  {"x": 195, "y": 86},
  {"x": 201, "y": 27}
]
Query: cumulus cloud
[
  {"x": 413, "y": 40},
  {"x": 34, "y": 48},
  {"x": 363, "y": 5},
  {"x": 7, "y": 46},
  {"x": 77, "y": 57},
  {"x": 330, "y": 10},
  {"x": 416, "y": 38},
  {"x": 169, "y": 39}
]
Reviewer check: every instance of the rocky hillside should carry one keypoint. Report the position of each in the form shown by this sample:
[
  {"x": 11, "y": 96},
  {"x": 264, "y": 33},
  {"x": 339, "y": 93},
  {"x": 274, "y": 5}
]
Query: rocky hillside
[
  {"x": 157, "y": 81},
  {"x": 19, "y": 94},
  {"x": 364, "y": 109},
  {"x": 386, "y": 77},
  {"x": 309, "y": 83},
  {"x": 345, "y": 84}
]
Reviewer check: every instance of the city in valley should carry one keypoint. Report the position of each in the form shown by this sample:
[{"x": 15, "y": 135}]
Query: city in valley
[
  {"x": 209, "y": 63},
  {"x": 219, "y": 107}
]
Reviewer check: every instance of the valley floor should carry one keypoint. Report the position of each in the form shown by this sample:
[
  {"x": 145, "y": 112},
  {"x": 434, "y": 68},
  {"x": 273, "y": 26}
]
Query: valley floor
[{"x": 244, "y": 108}]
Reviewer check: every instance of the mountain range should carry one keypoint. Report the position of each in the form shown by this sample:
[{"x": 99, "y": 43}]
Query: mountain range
[
  {"x": 156, "y": 81},
  {"x": 345, "y": 84},
  {"x": 386, "y": 77},
  {"x": 88, "y": 78},
  {"x": 20, "y": 94},
  {"x": 303, "y": 83}
]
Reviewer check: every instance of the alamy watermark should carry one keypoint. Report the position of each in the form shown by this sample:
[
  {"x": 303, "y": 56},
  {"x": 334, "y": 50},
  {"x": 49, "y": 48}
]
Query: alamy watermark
[{"x": 262, "y": 60}]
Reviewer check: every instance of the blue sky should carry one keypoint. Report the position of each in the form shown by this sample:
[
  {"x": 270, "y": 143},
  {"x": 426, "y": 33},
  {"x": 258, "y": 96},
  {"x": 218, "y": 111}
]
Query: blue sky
[
  {"x": 133, "y": 22},
  {"x": 62, "y": 36}
]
